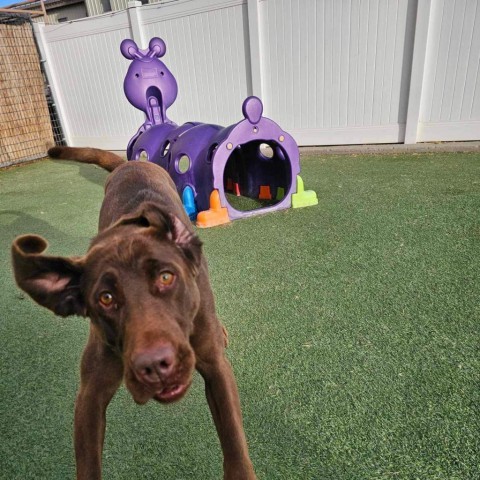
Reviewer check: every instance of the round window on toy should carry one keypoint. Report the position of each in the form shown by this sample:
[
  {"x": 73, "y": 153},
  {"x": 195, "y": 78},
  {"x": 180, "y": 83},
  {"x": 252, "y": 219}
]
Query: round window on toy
[
  {"x": 141, "y": 155},
  {"x": 183, "y": 164},
  {"x": 266, "y": 150}
]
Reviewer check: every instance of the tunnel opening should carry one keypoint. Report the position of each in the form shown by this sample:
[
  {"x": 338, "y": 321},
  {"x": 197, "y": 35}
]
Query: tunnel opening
[{"x": 257, "y": 175}]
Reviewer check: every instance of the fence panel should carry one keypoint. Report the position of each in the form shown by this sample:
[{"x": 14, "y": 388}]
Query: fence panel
[
  {"x": 338, "y": 71},
  {"x": 450, "y": 107},
  {"x": 88, "y": 69},
  {"x": 207, "y": 53}
]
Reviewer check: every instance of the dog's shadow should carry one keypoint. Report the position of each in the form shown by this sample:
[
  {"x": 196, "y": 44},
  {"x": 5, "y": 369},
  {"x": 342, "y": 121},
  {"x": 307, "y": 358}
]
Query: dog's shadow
[
  {"x": 89, "y": 172},
  {"x": 14, "y": 223},
  {"x": 93, "y": 174}
]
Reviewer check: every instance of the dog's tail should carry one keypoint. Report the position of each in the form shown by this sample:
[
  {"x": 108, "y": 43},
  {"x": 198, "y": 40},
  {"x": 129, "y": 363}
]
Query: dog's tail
[{"x": 107, "y": 160}]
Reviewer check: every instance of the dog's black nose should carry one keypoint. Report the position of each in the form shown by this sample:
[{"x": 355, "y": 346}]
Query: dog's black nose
[{"x": 155, "y": 365}]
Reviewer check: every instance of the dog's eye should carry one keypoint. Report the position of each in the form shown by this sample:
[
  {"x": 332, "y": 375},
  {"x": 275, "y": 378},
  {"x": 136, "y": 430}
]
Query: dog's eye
[
  {"x": 166, "y": 279},
  {"x": 106, "y": 299}
]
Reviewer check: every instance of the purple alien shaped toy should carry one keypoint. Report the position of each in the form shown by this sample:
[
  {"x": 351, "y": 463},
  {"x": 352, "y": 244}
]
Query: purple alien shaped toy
[{"x": 211, "y": 165}]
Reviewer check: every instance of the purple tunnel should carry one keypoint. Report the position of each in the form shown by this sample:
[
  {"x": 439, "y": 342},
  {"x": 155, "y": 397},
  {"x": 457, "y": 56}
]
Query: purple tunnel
[{"x": 221, "y": 173}]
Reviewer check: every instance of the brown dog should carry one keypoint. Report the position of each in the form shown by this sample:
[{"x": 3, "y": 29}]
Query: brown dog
[{"x": 144, "y": 284}]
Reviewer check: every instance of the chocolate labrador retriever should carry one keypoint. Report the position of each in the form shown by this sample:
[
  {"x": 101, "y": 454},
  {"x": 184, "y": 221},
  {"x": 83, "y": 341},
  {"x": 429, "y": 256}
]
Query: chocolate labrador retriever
[{"x": 144, "y": 285}]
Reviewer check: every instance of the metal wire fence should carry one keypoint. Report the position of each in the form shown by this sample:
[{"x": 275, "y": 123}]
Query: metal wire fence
[{"x": 27, "y": 111}]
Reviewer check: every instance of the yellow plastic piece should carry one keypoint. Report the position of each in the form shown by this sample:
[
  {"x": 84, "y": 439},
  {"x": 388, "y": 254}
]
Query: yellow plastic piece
[
  {"x": 303, "y": 198},
  {"x": 215, "y": 215}
]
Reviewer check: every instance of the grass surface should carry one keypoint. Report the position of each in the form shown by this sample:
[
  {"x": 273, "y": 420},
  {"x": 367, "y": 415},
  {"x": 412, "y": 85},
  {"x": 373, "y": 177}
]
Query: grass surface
[
  {"x": 245, "y": 204},
  {"x": 354, "y": 330}
]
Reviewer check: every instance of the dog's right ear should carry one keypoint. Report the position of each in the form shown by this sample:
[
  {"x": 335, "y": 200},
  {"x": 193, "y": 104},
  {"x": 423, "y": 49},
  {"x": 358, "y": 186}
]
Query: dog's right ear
[{"x": 53, "y": 282}]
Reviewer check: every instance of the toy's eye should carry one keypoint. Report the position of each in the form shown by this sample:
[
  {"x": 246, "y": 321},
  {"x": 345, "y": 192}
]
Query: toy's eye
[
  {"x": 106, "y": 299},
  {"x": 166, "y": 279}
]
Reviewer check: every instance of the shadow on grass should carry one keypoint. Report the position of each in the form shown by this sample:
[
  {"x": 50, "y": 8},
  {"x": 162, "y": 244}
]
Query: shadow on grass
[
  {"x": 92, "y": 173},
  {"x": 23, "y": 224}
]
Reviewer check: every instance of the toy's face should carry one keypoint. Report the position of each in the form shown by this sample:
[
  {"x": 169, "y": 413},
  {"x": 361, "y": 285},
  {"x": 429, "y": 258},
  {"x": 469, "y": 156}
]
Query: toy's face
[{"x": 149, "y": 83}]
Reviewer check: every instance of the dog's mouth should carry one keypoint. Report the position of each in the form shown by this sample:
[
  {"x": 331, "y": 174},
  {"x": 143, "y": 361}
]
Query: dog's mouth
[{"x": 171, "y": 393}]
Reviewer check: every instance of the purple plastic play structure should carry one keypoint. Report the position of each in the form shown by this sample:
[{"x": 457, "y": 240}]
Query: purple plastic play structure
[{"x": 211, "y": 165}]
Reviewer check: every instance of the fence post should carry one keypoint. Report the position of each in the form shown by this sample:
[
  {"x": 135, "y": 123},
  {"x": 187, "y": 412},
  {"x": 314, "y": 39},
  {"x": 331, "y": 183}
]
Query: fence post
[
  {"x": 133, "y": 11},
  {"x": 418, "y": 70},
  {"x": 39, "y": 30},
  {"x": 254, "y": 39}
]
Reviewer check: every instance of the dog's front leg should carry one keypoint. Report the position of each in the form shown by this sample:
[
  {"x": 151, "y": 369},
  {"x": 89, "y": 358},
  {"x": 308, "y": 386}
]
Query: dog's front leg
[
  {"x": 222, "y": 396},
  {"x": 101, "y": 375}
]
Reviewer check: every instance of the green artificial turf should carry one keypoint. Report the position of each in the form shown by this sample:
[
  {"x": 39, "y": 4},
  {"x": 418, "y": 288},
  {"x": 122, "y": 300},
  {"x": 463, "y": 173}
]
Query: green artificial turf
[
  {"x": 245, "y": 204},
  {"x": 354, "y": 330}
]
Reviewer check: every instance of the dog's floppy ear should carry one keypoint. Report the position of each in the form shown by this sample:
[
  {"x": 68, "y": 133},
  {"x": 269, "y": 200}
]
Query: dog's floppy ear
[
  {"x": 53, "y": 282},
  {"x": 189, "y": 243},
  {"x": 169, "y": 226}
]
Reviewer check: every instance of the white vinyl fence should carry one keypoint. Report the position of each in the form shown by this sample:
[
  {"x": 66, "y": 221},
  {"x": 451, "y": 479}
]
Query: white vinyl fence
[{"x": 328, "y": 71}]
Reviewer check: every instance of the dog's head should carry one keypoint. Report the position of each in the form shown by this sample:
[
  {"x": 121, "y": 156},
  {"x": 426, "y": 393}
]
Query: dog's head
[{"x": 137, "y": 283}]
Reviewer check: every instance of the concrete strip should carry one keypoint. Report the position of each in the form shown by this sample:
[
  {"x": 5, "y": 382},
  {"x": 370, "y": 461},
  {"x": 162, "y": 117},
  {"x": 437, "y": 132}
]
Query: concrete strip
[{"x": 397, "y": 148}]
